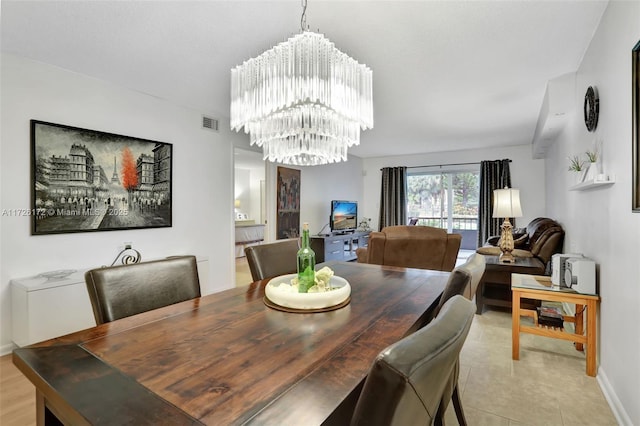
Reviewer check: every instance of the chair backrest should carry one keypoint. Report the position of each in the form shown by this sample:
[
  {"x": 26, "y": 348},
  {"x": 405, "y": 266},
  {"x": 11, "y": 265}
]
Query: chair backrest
[
  {"x": 474, "y": 266},
  {"x": 407, "y": 381},
  {"x": 121, "y": 291},
  {"x": 273, "y": 259},
  {"x": 422, "y": 247},
  {"x": 545, "y": 237},
  {"x": 463, "y": 281}
]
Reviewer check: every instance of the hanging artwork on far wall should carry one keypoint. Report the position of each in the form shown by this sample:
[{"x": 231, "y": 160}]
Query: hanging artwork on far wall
[
  {"x": 86, "y": 180},
  {"x": 288, "y": 204}
]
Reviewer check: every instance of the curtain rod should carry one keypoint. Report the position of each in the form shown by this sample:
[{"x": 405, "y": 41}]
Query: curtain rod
[{"x": 443, "y": 165}]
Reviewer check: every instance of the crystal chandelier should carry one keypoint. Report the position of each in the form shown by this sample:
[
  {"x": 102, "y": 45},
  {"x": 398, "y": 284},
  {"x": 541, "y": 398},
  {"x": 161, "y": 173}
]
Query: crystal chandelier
[{"x": 303, "y": 101}]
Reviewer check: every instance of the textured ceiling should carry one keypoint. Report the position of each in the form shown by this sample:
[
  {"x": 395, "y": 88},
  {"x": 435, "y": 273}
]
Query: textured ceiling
[{"x": 447, "y": 75}]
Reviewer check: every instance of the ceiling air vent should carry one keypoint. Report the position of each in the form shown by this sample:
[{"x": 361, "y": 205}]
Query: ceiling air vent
[{"x": 210, "y": 123}]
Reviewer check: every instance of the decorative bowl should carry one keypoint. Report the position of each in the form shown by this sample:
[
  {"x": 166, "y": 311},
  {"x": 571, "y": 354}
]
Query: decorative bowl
[{"x": 285, "y": 296}]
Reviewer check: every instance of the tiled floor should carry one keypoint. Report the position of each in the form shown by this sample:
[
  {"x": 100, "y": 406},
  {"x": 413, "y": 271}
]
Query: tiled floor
[{"x": 547, "y": 386}]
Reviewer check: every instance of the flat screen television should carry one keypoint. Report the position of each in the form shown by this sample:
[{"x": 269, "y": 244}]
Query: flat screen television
[{"x": 344, "y": 216}]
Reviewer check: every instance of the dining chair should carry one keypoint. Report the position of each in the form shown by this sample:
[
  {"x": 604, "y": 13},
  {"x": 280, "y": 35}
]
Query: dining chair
[
  {"x": 475, "y": 266},
  {"x": 273, "y": 259},
  {"x": 121, "y": 291},
  {"x": 411, "y": 375},
  {"x": 463, "y": 281}
]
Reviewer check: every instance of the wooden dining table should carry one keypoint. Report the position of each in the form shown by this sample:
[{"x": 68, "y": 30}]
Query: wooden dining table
[{"x": 227, "y": 358}]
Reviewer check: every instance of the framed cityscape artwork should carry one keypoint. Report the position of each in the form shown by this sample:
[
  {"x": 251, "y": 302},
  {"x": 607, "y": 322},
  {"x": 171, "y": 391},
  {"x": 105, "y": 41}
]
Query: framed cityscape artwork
[
  {"x": 635, "y": 73},
  {"x": 288, "y": 203},
  {"x": 85, "y": 180}
]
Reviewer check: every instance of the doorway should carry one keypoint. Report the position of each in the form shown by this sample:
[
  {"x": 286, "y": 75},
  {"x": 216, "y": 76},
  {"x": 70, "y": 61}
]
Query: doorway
[{"x": 249, "y": 206}]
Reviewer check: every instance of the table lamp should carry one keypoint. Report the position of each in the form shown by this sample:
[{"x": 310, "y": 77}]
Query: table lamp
[{"x": 506, "y": 203}]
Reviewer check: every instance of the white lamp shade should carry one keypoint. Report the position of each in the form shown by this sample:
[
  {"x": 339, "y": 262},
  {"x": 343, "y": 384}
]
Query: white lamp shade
[{"x": 506, "y": 203}]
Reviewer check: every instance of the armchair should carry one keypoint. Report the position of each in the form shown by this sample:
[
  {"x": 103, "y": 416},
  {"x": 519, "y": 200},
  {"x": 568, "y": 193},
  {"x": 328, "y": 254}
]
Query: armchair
[
  {"x": 421, "y": 247},
  {"x": 542, "y": 238}
]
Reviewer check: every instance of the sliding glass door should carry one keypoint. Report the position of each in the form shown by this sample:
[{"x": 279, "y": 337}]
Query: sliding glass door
[{"x": 445, "y": 199}]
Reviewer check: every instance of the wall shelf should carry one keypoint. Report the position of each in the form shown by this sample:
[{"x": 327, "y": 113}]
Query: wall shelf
[{"x": 591, "y": 184}]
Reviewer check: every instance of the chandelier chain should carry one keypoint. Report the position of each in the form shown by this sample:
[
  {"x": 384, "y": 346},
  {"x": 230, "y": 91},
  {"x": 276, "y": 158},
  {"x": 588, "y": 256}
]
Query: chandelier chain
[{"x": 303, "y": 18}]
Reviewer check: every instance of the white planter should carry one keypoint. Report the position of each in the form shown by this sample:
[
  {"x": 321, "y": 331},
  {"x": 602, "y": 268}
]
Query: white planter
[
  {"x": 578, "y": 177},
  {"x": 593, "y": 170}
]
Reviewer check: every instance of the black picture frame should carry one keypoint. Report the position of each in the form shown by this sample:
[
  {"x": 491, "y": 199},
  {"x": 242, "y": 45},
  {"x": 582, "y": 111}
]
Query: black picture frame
[
  {"x": 635, "y": 75},
  {"x": 86, "y": 180}
]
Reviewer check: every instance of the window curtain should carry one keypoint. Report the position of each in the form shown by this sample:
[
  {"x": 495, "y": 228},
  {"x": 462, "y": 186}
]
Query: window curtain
[
  {"x": 493, "y": 175},
  {"x": 393, "y": 197}
]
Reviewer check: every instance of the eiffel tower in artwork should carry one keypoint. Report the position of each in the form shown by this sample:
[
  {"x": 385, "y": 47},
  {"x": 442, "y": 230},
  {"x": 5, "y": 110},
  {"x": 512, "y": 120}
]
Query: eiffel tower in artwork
[{"x": 115, "y": 179}]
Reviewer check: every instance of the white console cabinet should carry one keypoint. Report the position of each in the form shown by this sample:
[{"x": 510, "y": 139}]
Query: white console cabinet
[{"x": 47, "y": 305}]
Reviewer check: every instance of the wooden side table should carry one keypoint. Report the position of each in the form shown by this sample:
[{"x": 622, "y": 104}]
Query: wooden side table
[
  {"x": 539, "y": 288},
  {"x": 495, "y": 286}
]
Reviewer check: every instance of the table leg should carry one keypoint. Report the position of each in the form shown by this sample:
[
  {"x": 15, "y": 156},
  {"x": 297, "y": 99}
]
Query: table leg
[
  {"x": 579, "y": 324},
  {"x": 479, "y": 301},
  {"x": 39, "y": 408},
  {"x": 515, "y": 325},
  {"x": 591, "y": 338}
]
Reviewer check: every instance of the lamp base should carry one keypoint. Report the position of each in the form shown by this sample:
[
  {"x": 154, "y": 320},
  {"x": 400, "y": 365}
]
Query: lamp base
[
  {"x": 506, "y": 242},
  {"x": 507, "y": 257}
]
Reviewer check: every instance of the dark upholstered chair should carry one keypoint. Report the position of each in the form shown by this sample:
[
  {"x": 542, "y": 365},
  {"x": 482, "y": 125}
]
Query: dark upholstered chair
[
  {"x": 407, "y": 381},
  {"x": 121, "y": 291},
  {"x": 463, "y": 281},
  {"x": 273, "y": 259},
  {"x": 475, "y": 266},
  {"x": 542, "y": 238},
  {"x": 421, "y": 247}
]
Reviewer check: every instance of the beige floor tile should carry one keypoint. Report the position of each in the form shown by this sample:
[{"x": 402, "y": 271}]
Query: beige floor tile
[{"x": 547, "y": 386}]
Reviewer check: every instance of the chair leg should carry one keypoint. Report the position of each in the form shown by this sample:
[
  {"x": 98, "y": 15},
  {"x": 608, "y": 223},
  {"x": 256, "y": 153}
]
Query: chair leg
[{"x": 457, "y": 405}]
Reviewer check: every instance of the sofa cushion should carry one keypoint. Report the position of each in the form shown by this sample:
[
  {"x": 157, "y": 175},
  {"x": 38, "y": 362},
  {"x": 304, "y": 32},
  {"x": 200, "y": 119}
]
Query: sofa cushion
[
  {"x": 545, "y": 237},
  {"x": 495, "y": 251}
]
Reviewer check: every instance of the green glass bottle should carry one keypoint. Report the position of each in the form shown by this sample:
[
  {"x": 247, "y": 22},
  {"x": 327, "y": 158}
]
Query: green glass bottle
[{"x": 306, "y": 262}]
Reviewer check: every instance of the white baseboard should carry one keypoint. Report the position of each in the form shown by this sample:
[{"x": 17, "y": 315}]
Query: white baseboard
[
  {"x": 614, "y": 403},
  {"x": 6, "y": 349}
]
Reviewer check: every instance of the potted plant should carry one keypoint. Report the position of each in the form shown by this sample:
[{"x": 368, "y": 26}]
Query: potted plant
[
  {"x": 576, "y": 164},
  {"x": 593, "y": 168}
]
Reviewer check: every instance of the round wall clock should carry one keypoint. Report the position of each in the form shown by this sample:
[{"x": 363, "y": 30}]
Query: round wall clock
[{"x": 591, "y": 108}]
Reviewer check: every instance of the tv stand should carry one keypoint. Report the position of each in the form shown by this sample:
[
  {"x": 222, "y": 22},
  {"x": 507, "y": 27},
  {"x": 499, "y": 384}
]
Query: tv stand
[
  {"x": 338, "y": 246},
  {"x": 342, "y": 232}
]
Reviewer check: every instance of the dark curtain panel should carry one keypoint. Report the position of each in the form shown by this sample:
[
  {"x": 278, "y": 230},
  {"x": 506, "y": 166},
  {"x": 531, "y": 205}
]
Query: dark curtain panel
[
  {"x": 493, "y": 175},
  {"x": 393, "y": 197}
]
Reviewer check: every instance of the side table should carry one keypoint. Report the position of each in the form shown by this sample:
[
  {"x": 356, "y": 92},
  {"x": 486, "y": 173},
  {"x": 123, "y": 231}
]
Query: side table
[
  {"x": 540, "y": 288},
  {"x": 495, "y": 286}
]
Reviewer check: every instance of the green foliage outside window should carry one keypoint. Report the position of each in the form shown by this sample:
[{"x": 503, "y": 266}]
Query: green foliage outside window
[{"x": 427, "y": 196}]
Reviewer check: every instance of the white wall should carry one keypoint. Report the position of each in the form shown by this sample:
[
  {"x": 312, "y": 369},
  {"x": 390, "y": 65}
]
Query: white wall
[
  {"x": 599, "y": 222},
  {"x": 527, "y": 175},
  {"x": 202, "y": 176},
  {"x": 242, "y": 191}
]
